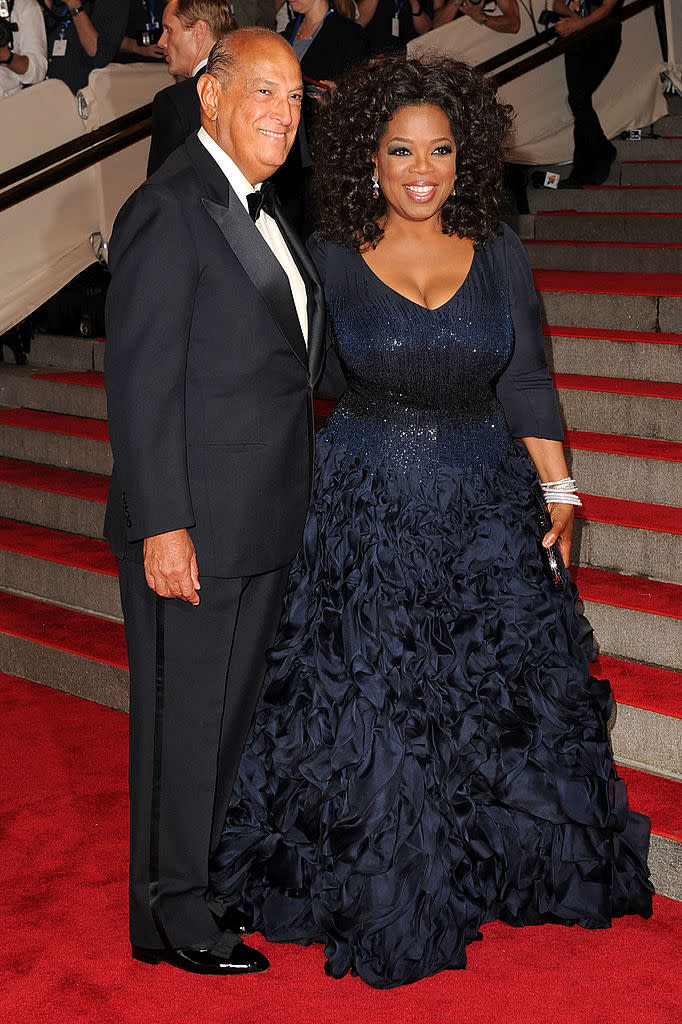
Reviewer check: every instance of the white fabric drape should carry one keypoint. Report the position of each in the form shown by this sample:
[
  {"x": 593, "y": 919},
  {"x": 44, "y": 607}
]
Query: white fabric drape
[{"x": 630, "y": 97}]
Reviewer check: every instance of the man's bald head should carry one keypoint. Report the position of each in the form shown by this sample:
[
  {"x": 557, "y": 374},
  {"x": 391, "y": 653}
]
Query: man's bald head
[
  {"x": 250, "y": 98},
  {"x": 237, "y": 48}
]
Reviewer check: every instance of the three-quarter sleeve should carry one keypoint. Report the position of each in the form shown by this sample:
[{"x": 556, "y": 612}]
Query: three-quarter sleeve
[
  {"x": 333, "y": 380},
  {"x": 525, "y": 388}
]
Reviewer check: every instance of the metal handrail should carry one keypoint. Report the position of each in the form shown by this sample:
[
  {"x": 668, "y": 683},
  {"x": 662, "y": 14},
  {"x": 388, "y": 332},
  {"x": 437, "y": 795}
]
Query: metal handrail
[{"x": 33, "y": 176}]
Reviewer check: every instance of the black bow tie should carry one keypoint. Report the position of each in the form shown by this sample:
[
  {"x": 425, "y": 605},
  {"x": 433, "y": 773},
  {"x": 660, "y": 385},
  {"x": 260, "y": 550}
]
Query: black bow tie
[{"x": 262, "y": 200}]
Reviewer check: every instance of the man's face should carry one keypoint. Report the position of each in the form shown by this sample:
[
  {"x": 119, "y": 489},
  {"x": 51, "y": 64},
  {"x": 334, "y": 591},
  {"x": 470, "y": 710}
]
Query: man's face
[
  {"x": 178, "y": 43},
  {"x": 258, "y": 114}
]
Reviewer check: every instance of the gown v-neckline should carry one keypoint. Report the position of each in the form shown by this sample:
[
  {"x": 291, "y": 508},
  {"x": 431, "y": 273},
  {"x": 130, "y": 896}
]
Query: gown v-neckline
[{"x": 413, "y": 302}]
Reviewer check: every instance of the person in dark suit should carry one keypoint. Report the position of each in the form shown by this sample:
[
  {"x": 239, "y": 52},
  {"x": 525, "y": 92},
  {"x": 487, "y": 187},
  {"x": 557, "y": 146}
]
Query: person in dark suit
[
  {"x": 215, "y": 328},
  {"x": 190, "y": 28},
  {"x": 326, "y": 43}
]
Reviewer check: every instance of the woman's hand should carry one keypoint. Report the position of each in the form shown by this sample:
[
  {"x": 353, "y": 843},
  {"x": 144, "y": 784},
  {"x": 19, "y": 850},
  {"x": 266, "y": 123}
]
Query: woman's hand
[
  {"x": 567, "y": 26},
  {"x": 562, "y": 517}
]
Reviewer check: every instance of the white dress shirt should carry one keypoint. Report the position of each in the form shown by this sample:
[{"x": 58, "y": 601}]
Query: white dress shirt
[
  {"x": 29, "y": 41},
  {"x": 267, "y": 226}
]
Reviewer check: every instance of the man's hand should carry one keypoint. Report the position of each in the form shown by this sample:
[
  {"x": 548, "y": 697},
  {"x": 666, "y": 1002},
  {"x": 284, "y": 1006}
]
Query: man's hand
[
  {"x": 4, "y": 53},
  {"x": 170, "y": 565}
]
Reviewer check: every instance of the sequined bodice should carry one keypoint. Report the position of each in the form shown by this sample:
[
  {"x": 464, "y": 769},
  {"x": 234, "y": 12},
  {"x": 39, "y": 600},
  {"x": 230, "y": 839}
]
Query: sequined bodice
[{"x": 421, "y": 381}]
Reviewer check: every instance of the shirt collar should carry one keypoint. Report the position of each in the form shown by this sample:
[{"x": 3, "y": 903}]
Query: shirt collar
[
  {"x": 200, "y": 65},
  {"x": 241, "y": 186}
]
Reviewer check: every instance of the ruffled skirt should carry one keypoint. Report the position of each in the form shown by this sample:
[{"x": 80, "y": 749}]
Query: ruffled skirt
[{"x": 430, "y": 751}]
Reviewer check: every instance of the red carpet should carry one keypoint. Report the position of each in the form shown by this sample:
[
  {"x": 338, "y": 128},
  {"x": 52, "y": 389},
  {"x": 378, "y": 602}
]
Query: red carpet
[
  {"x": 64, "y": 942},
  {"x": 605, "y": 245},
  {"x": 59, "y": 481},
  {"x": 610, "y": 213},
  {"x": 635, "y": 514},
  {"x": 623, "y": 444},
  {"x": 57, "y": 546},
  {"x": 55, "y": 423},
  {"x": 632, "y": 592},
  {"x": 617, "y": 385},
  {"x": 642, "y": 686},
  {"x": 607, "y": 282},
  {"x": 610, "y": 335},
  {"x": 89, "y": 636},
  {"x": 661, "y": 801},
  {"x": 89, "y": 378}
]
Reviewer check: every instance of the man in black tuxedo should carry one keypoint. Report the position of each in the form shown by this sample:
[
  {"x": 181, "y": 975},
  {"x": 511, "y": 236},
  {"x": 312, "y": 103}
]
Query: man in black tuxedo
[
  {"x": 190, "y": 28},
  {"x": 214, "y": 342}
]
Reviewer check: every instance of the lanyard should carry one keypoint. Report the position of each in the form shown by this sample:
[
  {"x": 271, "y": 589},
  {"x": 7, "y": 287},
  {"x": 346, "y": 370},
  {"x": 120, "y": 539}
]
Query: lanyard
[{"x": 149, "y": 11}]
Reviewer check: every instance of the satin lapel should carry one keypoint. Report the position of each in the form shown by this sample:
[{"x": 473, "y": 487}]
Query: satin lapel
[
  {"x": 317, "y": 311},
  {"x": 250, "y": 248}
]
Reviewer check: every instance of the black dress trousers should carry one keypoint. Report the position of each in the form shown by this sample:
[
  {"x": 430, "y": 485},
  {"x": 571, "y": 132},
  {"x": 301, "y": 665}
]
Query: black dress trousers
[
  {"x": 201, "y": 679},
  {"x": 587, "y": 65}
]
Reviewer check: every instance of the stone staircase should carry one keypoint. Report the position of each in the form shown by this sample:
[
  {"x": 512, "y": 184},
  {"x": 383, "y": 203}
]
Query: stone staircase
[{"x": 608, "y": 270}]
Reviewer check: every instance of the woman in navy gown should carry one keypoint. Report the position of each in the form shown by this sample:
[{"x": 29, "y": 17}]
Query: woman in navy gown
[{"x": 430, "y": 751}]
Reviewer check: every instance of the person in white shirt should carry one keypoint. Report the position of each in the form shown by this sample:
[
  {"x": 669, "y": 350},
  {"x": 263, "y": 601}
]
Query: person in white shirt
[{"x": 24, "y": 61}]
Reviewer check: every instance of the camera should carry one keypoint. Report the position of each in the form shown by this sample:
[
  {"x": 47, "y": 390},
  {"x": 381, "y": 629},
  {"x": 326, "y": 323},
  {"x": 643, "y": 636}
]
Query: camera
[
  {"x": 7, "y": 27},
  {"x": 548, "y": 18},
  {"x": 149, "y": 36}
]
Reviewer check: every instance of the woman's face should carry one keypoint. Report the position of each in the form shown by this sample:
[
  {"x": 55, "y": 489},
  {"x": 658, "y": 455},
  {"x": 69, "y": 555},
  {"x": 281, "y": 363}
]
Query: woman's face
[{"x": 416, "y": 162}]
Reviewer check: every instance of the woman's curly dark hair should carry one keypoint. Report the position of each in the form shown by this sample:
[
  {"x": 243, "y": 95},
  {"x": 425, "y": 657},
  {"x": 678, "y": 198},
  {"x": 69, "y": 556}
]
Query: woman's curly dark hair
[{"x": 352, "y": 123}]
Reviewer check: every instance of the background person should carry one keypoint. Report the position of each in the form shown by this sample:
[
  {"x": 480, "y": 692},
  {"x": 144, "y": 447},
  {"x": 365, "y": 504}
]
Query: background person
[
  {"x": 587, "y": 65},
  {"x": 430, "y": 751},
  {"x": 25, "y": 61},
  {"x": 82, "y": 37},
  {"x": 327, "y": 42},
  {"x": 506, "y": 19},
  {"x": 190, "y": 28},
  {"x": 144, "y": 22},
  {"x": 391, "y": 24}
]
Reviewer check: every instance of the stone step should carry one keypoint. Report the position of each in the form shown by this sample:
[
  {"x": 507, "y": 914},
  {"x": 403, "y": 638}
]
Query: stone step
[
  {"x": 69, "y": 650},
  {"x": 659, "y": 798},
  {"x": 633, "y": 618},
  {"x": 622, "y": 466},
  {"x": 631, "y": 537},
  {"x": 648, "y": 257},
  {"x": 608, "y": 199},
  {"x": 647, "y": 731},
  {"x": 648, "y": 409},
  {"x": 602, "y": 227},
  {"x": 646, "y": 355},
  {"x": 64, "y": 568},
  {"x": 59, "y": 499},
  {"x": 647, "y": 149},
  {"x": 613, "y": 301},
  {"x": 32, "y": 388},
  {"x": 72, "y": 442},
  {"x": 651, "y": 172},
  {"x": 67, "y": 352}
]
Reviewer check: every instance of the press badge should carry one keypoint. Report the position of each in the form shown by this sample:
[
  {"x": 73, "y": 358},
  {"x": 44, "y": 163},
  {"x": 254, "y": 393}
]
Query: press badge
[
  {"x": 395, "y": 26},
  {"x": 59, "y": 48}
]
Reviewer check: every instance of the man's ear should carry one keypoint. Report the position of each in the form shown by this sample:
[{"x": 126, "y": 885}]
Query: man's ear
[
  {"x": 199, "y": 32},
  {"x": 207, "y": 88}
]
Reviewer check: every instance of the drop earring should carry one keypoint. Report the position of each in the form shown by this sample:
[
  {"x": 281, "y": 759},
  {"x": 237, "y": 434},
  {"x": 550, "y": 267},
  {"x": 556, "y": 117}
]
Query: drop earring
[
  {"x": 375, "y": 186},
  {"x": 454, "y": 190}
]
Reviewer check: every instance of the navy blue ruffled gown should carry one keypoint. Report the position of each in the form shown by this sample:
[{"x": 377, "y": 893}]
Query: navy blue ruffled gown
[{"x": 430, "y": 751}]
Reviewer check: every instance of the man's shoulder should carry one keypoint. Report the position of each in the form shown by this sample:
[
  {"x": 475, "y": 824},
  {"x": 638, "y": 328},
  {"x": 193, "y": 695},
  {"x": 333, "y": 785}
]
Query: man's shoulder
[{"x": 182, "y": 95}]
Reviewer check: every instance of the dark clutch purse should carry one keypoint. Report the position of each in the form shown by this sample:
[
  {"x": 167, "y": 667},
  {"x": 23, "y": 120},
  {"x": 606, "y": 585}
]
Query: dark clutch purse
[{"x": 552, "y": 562}]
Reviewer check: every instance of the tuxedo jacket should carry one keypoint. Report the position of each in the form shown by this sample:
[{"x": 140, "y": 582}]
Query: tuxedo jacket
[
  {"x": 209, "y": 384},
  {"x": 176, "y": 114}
]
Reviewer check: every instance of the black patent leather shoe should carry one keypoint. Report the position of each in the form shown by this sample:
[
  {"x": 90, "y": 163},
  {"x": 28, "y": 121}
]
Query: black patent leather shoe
[
  {"x": 235, "y": 922},
  {"x": 242, "y": 960}
]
